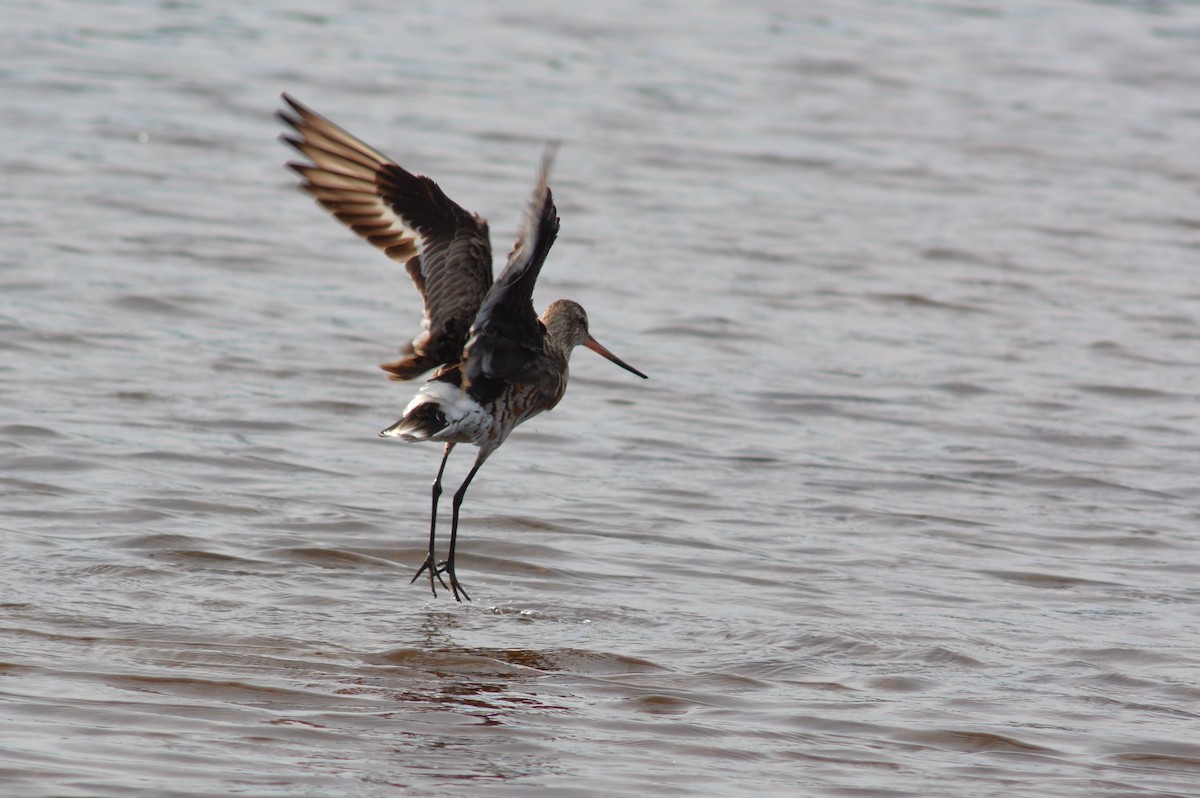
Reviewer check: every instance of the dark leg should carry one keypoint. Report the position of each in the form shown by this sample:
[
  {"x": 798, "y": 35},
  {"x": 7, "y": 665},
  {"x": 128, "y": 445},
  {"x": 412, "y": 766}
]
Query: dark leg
[
  {"x": 430, "y": 559},
  {"x": 448, "y": 566}
]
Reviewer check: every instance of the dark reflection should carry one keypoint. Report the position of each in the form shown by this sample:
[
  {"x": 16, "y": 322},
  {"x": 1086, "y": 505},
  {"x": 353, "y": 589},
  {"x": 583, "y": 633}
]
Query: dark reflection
[{"x": 485, "y": 683}]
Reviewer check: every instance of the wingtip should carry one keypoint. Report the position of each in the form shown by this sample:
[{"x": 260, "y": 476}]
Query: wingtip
[
  {"x": 296, "y": 113},
  {"x": 549, "y": 153}
]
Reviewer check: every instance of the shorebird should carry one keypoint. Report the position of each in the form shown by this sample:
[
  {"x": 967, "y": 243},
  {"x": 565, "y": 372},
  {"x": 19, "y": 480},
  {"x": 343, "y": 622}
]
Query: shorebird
[{"x": 496, "y": 363}]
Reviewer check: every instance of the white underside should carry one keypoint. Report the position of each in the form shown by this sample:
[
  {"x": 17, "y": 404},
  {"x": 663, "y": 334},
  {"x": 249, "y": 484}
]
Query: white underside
[{"x": 466, "y": 420}]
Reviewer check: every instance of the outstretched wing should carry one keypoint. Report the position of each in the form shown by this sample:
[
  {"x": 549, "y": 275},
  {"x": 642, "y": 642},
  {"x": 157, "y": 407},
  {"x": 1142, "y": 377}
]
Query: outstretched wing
[
  {"x": 508, "y": 338},
  {"x": 444, "y": 248}
]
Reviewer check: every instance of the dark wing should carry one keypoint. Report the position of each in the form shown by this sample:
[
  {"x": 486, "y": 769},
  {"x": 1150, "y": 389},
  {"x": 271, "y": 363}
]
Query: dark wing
[
  {"x": 508, "y": 339},
  {"x": 444, "y": 248}
]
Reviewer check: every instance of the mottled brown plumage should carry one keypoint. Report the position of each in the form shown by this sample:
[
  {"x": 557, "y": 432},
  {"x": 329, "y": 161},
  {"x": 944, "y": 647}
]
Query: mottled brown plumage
[
  {"x": 445, "y": 249},
  {"x": 497, "y": 363}
]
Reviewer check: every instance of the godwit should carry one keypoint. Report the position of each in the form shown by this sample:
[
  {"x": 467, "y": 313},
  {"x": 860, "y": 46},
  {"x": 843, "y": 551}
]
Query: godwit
[{"x": 497, "y": 363}]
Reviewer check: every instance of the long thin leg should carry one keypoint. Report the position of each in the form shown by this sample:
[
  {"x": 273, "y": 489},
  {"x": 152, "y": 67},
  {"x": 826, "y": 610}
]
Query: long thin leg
[
  {"x": 430, "y": 558},
  {"x": 448, "y": 566}
]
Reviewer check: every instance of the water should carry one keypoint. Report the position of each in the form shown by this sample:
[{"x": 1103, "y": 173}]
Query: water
[{"x": 908, "y": 506}]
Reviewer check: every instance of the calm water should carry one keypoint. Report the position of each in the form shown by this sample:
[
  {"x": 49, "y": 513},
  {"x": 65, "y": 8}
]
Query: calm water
[{"x": 908, "y": 507}]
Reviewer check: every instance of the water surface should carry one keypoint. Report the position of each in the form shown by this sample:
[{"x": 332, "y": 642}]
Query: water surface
[{"x": 907, "y": 507}]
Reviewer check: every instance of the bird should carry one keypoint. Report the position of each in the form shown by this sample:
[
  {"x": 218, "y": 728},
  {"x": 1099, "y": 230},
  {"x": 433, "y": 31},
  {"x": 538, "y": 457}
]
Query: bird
[{"x": 495, "y": 363}]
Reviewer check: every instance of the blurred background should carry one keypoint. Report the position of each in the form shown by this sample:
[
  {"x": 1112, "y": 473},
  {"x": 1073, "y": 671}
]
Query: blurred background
[{"x": 907, "y": 507}]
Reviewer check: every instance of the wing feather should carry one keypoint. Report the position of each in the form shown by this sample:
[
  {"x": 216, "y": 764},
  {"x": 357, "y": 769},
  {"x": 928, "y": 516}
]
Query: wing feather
[
  {"x": 445, "y": 249},
  {"x": 508, "y": 340}
]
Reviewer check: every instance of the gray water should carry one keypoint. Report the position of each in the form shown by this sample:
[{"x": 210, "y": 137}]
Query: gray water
[{"x": 908, "y": 506}]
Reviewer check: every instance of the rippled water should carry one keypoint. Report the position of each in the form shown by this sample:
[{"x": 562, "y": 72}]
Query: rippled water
[{"x": 908, "y": 506}]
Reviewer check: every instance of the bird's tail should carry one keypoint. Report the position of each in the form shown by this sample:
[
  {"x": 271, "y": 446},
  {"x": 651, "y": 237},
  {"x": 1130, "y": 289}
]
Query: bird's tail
[{"x": 420, "y": 423}]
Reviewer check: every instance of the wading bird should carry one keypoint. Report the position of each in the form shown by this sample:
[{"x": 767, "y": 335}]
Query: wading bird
[{"x": 497, "y": 364}]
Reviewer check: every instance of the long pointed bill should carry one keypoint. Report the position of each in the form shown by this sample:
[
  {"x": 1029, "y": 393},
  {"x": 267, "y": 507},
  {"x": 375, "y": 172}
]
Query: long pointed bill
[{"x": 594, "y": 345}]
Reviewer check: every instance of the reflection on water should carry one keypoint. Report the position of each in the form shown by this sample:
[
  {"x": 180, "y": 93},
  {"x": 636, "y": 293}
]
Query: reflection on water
[{"x": 907, "y": 509}]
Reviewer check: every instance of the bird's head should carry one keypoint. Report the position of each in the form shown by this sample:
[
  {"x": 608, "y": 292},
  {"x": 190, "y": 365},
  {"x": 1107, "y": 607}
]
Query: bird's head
[{"x": 567, "y": 324}]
